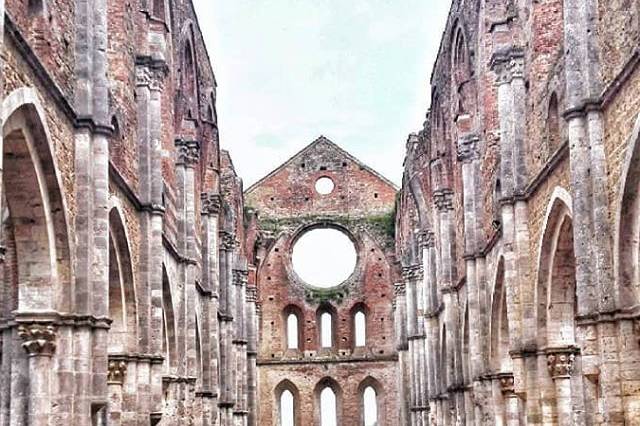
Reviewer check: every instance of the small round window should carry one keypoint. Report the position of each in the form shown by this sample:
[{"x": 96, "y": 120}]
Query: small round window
[
  {"x": 324, "y": 257},
  {"x": 324, "y": 186}
]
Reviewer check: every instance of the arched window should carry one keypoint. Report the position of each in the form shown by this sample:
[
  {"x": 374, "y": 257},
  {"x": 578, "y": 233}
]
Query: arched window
[
  {"x": 189, "y": 80},
  {"x": 292, "y": 331},
  {"x": 360, "y": 328},
  {"x": 287, "y": 409},
  {"x": 326, "y": 330},
  {"x": 370, "y": 406},
  {"x": 328, "y": 407}
]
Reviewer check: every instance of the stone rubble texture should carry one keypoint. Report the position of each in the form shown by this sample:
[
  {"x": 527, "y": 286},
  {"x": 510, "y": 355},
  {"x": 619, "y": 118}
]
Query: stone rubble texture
[{"x": 143, "y": 285}]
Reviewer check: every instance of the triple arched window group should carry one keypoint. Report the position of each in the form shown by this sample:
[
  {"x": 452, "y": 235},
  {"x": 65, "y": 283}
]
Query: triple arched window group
[
  {"x": 326, "y": 322},
  {"x": 328, "y": 397}
]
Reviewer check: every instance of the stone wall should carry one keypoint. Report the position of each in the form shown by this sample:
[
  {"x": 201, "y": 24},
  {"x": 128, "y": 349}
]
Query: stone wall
[
  {"x": 286, "y": 205},
  {"x": 119, "y": 240},
  {"x": 524, "y": 309}
]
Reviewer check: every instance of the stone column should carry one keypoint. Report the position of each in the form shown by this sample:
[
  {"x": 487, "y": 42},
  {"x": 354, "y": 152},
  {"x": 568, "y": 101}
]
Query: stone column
[
  {"x": 252, "y": 355},
  {"x": 117, "y": 370},
  {"x": 226, "y": 402},
  {"x": 402, "y": 346},
  {"x": 150, "y": 75},
  {"x": 211, "y": 204},
  {"x": 40, "y": 344},
  {"x": 560, "y": 363}
]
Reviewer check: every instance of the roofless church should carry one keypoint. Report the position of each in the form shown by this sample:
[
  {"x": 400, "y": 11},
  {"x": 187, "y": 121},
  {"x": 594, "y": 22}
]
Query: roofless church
[{"x": 142, "y": 284}]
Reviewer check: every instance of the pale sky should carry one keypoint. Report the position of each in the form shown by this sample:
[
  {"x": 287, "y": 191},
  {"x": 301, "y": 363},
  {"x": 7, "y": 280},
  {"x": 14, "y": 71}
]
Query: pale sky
[{"x": 288, "y": 71}]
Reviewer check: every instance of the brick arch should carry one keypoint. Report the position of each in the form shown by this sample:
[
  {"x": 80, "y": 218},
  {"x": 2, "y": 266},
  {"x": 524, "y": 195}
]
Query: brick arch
[
  {"x": 287, "y": 385},
  {"x": 32, "y": 190},
  {"x": 556, "y": 286},
  {"x": 627, "y": 234},
  {"x": 187, "y": 105},
  {"x": 364, "y": 308},
  {"x": 122, "y": 294}
]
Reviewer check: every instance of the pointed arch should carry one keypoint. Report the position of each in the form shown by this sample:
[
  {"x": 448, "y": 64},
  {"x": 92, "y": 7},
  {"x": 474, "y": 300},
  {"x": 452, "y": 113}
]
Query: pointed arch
[
  {"x": 33, "y": 194},
  {"x": 169, "y": 342},
  {"x": 367, "y": 418},
  {"x": 292, "y": 318},
  {"x": 359, "y": 315},
  {"x": 499, "y": 327},
  {"x": 287, "y": 401},
  {"x": 627, "y": 234},
  {"x": 556, "y": 286},
  {"x": 328, "y": 397},
  {"x": 122, "y": 294}
]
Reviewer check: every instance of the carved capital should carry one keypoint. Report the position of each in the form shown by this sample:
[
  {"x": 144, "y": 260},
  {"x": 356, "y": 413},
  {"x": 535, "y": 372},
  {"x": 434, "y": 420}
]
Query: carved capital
[
  {"x": 412, "y": 273},
  {"x": 508, "y": 65},
  {"x": 150, "y": 76},
  {"x": 506, "y": 383},
  {"x": 252, "y": 294},
  {"x": 560, "y": 363},
  {"x": 399, "y": 289},
  {"x": 39, "y": 339},
  {"x": 188, "y": 152},
  {"x": 468, "y": 149},
  {"x": 240, "y": 277},
  {"x": 227, "y": 241},
  {"x": 210, "y": 203},
  {"x": 443, "y": 199},
  {"x": 116, "y": 372},
  {"x": 427, "y": 239}
]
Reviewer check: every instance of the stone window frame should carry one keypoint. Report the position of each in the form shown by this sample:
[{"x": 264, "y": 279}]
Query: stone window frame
[
  {"x": 359, "y": 307},
  {"x": 327, "y": 308}
]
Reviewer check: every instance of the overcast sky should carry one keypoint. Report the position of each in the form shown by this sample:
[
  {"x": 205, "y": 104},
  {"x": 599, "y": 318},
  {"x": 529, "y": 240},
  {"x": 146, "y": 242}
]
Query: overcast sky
[{"x": 288, "y": 71}]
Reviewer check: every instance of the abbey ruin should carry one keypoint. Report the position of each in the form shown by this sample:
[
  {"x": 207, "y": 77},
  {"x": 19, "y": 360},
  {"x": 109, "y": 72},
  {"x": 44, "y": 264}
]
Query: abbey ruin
[{"x": 143, "y": 284}]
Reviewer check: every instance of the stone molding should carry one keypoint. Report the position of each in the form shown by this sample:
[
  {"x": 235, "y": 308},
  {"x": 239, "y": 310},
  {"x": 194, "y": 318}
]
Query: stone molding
[
  {"x": 116, "y": 372},
  {"x": 399, "y": 289},
  {"x": 39, "y": 338},
  {"x": 188, "y": 152},
  {"x": 560, "y": 362},
  {"x": 210, "y": 203}
]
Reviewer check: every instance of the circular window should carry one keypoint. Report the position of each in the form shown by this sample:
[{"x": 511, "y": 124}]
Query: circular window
[
  {"x": 324, "y": 186},
  {"x": 324, "y": 257}
]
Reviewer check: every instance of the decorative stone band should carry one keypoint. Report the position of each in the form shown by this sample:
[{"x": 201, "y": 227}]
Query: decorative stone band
[
  {"x": 188, "y": 152},
  {"x": 427, "y": 239},
  {"x": 468, "y": 149},
  {"x": 227, "y": 241},
  {"x": 560, "y": 362},
  {"x": 39, "y": 338},
  {"x": 412, "y": 273},
  {"x": 116, "y": 372},
  {"x": 506, "y": 381},
  {"x": 508, "y": 65},
  {"x": 179, "y": 379},
  {"x": 443, "y": 199},
  {"x": 210, "y": 203}
]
